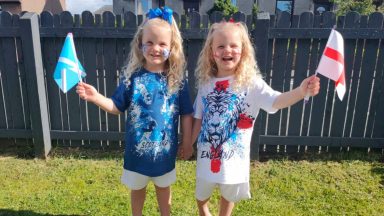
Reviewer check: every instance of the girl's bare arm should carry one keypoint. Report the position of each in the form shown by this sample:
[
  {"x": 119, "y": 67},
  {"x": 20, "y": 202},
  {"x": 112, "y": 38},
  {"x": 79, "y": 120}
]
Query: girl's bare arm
[{"x": 89, "y": 93}]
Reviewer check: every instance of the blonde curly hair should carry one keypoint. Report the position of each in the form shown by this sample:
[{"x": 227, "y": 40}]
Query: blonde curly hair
[
  {"x": 246, "y": 71},
  {"x": 174, "y": 65}
]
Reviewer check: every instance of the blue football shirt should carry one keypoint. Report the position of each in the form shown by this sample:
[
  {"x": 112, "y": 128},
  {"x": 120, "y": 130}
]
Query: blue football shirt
[{"x": 151, "y": 139}]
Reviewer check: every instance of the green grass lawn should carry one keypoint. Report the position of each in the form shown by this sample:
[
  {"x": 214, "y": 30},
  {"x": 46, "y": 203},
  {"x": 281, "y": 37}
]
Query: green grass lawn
[{"x": 79, "y": 183}]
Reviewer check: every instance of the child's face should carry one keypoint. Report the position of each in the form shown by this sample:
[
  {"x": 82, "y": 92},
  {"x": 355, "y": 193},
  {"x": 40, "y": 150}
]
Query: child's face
[
  {"x": 226, "y": 50},
  {"x": 156, "y": 43}
]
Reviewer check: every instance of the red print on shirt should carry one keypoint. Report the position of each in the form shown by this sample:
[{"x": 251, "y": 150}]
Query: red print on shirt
[
  {"x": 222, "y": 85},
  {"x": 245, "y": 121},
  {"x": 215, "y": 159}
]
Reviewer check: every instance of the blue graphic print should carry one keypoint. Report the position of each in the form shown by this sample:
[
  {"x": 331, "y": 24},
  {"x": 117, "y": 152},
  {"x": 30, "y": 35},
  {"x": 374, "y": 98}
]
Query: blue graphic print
[{"x": 152, "y": 122}]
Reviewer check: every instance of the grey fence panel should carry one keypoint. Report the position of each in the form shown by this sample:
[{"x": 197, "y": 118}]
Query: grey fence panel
[
  {"x": 355, "y": 78},
  {"x": 278, "y": 77},
  {"x": 301, "y": 72},
  {"x": 313, "y": 117},
  {"x": 3, "y": 116},
  {"x": 73, "y": 108},
  {"x": 111, "y": 72},
  {"x": 5, "y": 19},
  {"x": 25, "y": 115},
  {"x": 89, "y": 64},
  {"x": 191, "y": 54},
  {"x": 378, "y": 102},
  {"x": 260, "y": 35},
  {"x": 48, "y": 49},
  {"x": 11, "y": 83},
  {"x": 121, "y": 59},
  {"x": 341, "y": 107},
  {"x": 327, "y": 86},
  {"x": 288, "y": 50},
  {"x": 288, "y": 80},
  {"x": 366, "y": 78},
  {"x": 378, "y": 95},
  {"x": 130, "y": 20}
]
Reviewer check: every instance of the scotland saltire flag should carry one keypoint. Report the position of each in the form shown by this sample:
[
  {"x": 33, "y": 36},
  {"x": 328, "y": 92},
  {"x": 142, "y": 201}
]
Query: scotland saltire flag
[{"x": 68, "y": 71}]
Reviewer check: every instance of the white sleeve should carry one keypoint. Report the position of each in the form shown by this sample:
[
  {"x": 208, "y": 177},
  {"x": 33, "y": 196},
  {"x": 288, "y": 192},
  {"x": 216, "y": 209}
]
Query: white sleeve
[
  {"x": 198, "y": 106},
  {"x": 264, "y": 96}
]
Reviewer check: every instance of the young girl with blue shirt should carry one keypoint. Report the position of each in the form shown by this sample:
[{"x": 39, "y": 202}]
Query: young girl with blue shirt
[{"x": 154, "y": 94}]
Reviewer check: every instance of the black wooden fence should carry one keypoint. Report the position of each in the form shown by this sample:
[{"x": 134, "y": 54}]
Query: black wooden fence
[{"x": 33, "y": 110}]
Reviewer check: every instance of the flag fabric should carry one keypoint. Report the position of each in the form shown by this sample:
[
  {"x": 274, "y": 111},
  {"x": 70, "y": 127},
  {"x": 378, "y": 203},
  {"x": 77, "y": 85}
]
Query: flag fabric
[
  {"x": 68, "y": 71},
  {"x": 332, "y": 62}
]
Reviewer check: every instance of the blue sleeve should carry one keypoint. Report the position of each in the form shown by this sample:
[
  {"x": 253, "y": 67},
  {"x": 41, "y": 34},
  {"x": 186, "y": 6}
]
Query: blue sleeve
[
  {"x": 185, "y": 104},
  {"x": 120, "y": 97}
]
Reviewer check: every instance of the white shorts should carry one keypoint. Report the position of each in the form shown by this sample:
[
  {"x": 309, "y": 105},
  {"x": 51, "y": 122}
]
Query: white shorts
[
  {"x": 231, "y": 192},
  {"x": 137, "y": 181}
]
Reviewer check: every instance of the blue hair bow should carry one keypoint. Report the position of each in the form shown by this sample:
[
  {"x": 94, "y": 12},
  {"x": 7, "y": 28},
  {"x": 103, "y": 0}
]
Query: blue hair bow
[{"x": 164, "y": 13}]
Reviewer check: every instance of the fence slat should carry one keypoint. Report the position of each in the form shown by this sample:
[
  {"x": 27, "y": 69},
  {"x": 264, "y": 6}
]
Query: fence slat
[
  {"x": 48, "y": 48},
  {"x": 278, "y": 76},
  {"x": 110, "y": 67},
  {"x": 288, "y": 79},
  {"x": 355, "y": 78},
  {"x": 89, "y": 64},
  {"x": 301, "y": 72},
  {"x": 130, "y": 20},
  {"x": 313, "y": 62},
  {"x": 378, "y": 97},
  {"x": 6, "y": 20},
  {"x": 72, "y": 99},
  {"x": 365, "y": 80},
  {"x": 340, "y": 107},
  {"x": 191, "y": 53},
  {"x": 260, "y": 35}
]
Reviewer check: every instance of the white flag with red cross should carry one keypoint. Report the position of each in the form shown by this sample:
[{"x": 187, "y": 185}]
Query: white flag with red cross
[{"x": 332, "y": 62}]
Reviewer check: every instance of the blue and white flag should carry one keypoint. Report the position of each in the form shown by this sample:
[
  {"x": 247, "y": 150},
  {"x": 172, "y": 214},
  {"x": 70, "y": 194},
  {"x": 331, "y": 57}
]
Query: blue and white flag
[{"x": 68, "y": 71}]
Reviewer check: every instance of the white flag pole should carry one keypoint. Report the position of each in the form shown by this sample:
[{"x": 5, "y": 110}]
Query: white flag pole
[{"x": 64, "y": 80}]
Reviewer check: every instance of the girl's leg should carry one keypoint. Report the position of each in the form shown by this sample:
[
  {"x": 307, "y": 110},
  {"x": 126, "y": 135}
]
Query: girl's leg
[
  {"x": 137, "y": 201},
  {"x": 226, "y": 207},
  {"x": 203, "y": 207},
  {"x": 163, "y": 195}
]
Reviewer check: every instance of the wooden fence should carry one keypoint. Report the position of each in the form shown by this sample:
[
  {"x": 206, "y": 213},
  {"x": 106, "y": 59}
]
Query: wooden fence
[{"x": 32, "y": 108}]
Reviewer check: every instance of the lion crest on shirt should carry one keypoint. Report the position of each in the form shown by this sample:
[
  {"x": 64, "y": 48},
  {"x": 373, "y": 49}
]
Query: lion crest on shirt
[{"x": 223, "y": 112}]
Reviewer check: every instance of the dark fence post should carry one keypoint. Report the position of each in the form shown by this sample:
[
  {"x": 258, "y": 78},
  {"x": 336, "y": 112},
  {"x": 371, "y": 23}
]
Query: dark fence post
[
  {"x": 260, "y": 38},
  {"x": 37, "y": 99}
]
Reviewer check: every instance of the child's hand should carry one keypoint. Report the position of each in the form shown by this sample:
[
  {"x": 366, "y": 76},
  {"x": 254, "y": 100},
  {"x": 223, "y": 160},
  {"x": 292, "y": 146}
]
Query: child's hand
[
  {"x": 310, "y": 86},
  {"x": 185, "y": 151},
  {"x": 86, "y": 92}
]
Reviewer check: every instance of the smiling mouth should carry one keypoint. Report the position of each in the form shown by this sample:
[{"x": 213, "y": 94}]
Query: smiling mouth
[
  {"x": 227, "y": 59},
  {"x": 156, "y": 56}
]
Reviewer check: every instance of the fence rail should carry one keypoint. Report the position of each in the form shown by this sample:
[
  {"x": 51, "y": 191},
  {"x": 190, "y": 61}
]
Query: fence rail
[{"x": 288, "y": 49}]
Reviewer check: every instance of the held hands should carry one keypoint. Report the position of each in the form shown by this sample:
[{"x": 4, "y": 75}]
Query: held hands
[
  {"x": 185, "y": 151},
  {"x": 86, "y": 92},
  {"x": 310, "y": 86}
]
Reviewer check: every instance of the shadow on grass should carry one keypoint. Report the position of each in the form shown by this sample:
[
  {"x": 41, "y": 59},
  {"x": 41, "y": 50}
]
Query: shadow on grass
[
  {"x": 379, "y": 170},
  {"x": 24, "y": 149},
  {"x": 338, "y": 156},
  {"x": 9, "y": 212},
  {"x": 20, "y": 148}
]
